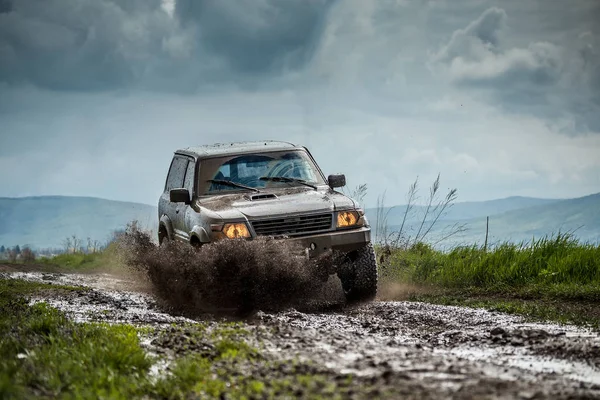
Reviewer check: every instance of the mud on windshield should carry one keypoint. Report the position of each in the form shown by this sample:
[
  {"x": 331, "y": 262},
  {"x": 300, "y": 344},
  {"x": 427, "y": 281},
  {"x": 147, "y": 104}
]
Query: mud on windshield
[{"x": 257, "y": 171}]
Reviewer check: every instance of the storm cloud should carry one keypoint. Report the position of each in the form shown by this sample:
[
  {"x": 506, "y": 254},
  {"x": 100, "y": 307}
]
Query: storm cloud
[
  {"x": 475, "y": 55},
  {"x": 80, "y": 44},
  {"x": 96, "y": 94},
  {"x": 256, "y": 36},
  {"x": 543, "y": 78},
  {"x": 91, "y": 45}
]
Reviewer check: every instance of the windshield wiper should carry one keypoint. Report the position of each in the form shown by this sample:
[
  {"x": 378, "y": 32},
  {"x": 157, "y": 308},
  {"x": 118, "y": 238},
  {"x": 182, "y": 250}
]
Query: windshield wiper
[
  {"x": 233, "y": 184},
  {"x": 286, "y": 180}
]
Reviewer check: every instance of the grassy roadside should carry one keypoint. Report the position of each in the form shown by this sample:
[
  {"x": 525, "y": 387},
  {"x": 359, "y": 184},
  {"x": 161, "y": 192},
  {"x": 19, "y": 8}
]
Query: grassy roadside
[
  {"x": 47, "y": 355},
  {"x": 556, "y": 278},
  {"x": 106, "y": 261}
]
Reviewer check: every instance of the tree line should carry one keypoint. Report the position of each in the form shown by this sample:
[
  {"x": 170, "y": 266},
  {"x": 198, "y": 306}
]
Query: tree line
[{"x": 16, "y": 252}]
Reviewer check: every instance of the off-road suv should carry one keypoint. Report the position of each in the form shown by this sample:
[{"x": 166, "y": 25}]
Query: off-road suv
[{"x": 268, "y": 188}]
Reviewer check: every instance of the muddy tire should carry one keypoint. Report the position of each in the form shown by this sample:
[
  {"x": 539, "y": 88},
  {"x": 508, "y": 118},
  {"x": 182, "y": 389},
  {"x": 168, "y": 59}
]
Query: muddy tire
[
  {"x": 163, "y": 236},
  {"x": 359, "y": 275}
]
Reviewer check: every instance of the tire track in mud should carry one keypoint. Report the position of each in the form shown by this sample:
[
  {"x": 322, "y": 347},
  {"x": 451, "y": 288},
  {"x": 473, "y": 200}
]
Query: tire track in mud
[{"x": 443, "y": 351}]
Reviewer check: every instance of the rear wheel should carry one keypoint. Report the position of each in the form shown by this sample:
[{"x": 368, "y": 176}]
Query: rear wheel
[{"x": 359, "y": 275}]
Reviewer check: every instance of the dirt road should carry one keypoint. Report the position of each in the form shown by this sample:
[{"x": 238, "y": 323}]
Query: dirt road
[{"x": 428, "y": 351}]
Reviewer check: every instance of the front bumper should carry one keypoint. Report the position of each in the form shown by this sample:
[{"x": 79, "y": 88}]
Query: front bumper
[{"x": 343, "y": 241}]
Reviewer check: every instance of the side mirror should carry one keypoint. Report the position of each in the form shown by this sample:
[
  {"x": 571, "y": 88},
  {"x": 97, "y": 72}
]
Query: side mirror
[
  {"x": 180, "y": 195},
  {"x": 336, "y": 181}
]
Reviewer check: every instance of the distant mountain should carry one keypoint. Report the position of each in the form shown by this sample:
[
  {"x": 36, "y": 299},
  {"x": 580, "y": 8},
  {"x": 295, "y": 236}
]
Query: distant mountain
[
  {"x": 464, "y": 210},
  {"x": 45, "y": 221},
  {"x": 580, "y": 216}
]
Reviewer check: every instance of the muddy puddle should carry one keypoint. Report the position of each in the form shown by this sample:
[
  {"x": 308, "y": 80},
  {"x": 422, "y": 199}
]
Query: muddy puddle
[
  {"x": 443, "y": 351},
  {"x": 109, "y": 298}
]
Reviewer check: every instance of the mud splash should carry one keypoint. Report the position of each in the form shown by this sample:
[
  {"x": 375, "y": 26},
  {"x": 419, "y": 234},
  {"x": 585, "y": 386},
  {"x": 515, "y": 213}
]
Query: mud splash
[{"x": 230, "y": 276}]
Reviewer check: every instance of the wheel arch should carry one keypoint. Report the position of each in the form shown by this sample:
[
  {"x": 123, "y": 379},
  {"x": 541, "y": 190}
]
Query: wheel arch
[
  {"x": 200, "y": 234},
  {"x": 165, "y": 223}
]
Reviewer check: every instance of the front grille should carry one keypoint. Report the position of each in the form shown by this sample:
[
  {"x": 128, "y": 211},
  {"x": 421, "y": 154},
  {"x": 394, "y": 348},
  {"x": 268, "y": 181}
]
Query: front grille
[{"x": 293, "y": 225}]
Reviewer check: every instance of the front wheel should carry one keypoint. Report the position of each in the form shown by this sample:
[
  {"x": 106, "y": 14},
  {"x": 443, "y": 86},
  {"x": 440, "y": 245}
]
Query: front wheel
[
  {"x": 163, "y": 237},
  {"x": 359, "y": 275}
]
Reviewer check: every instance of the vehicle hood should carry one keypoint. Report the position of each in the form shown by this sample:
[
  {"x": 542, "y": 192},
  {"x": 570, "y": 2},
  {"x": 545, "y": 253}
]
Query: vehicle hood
[{"x": 291, "y": 201}]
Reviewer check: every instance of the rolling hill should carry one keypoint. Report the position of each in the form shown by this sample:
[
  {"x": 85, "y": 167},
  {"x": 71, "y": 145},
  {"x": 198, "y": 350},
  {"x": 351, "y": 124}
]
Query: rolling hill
[
  {"x": 580, "y": 216},
  {"x": 465, "y": 210},
  {"x": 45, "y": 221}
]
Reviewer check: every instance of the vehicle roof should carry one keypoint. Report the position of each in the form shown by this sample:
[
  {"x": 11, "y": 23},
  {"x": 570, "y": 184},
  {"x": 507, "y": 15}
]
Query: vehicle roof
[{"x": 218, "y": 149}]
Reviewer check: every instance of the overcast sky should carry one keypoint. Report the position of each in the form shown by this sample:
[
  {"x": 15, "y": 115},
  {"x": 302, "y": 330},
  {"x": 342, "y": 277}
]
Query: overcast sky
[{"x": 501, "y": 97}]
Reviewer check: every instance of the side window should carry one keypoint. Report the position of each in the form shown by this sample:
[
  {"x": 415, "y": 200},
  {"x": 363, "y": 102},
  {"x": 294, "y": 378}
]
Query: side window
[
  {"x": 188, "y": 183},
  {"x": 176, "y": 173}
]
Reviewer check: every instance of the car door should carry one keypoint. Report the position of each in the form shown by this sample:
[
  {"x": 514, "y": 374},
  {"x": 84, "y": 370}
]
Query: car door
[
  {"x": 174, "y": 181},
  {"x": 183, "y": 210}
]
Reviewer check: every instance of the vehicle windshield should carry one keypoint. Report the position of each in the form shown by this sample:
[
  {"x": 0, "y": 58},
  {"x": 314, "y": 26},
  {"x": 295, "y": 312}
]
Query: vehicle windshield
[{"x": 248, "y": 169}]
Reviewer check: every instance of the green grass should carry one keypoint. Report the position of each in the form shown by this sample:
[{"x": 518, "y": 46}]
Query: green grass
[
  {"x": 533, "y": 277},
  {"x": 66, "y": 261},
  {"x": 44, "y": 354},
  {"x": 16, "y": 288},
  {"x": 75, "y": 261},
  {"x": 196, "y": 375},
  {"x": 106, "y": 261},
  {"x": 559, "y": 263}
]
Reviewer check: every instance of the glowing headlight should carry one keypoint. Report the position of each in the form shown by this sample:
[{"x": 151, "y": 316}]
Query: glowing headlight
[
  {"x": 237, "y": 230},
  {"x": 347, "y": 218}
]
